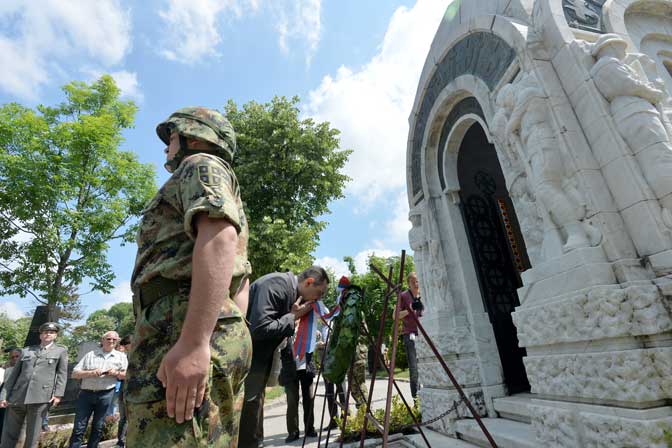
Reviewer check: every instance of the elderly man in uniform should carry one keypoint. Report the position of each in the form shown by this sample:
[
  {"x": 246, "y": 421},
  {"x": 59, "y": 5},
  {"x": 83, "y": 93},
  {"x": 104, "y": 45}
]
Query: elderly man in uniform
[
  {"x": 99, "y": 371},
  {"x": 191, "y": 346},
  {"x": 37, "y": 380},
  {"x": 277, "y": 300}
]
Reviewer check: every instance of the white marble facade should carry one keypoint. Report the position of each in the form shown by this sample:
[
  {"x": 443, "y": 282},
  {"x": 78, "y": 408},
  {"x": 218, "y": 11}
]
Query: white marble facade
[{"x": 575, "y": 97}]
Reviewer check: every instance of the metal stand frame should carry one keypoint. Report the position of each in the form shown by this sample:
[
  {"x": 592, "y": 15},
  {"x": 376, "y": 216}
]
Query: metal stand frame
[{"x": 392, "y": 289}]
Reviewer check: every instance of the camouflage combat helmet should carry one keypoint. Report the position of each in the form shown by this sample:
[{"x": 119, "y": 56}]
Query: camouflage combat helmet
[{"x": 198, "y": 123}]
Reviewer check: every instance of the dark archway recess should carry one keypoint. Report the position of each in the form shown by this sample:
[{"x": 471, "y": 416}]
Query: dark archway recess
[
  {"x": 496, "y": 246},
  {"x": 482, "y": 54}
]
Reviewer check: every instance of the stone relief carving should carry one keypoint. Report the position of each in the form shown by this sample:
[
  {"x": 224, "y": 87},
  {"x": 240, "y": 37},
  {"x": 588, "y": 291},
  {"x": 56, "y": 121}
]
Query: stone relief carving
[
  {"x": 522, "y": 124},
  {"x": 637, "y": 107},
  {"x": 434, "y": 263},
  {"x": 584, "y": 14},
  {"x": 454, "y": 340},
  {"x": 639, "y": 375},
  {"x": 466, "y": 371},
  {"x": 554, "y": 427},
  {"x": 597, "y": 314},
  {"x": 524, "y": 200},
  {"x": 435, "y": 402},
  {"x": 560, "y": 428},
  {"x": 602, "y": 431}
]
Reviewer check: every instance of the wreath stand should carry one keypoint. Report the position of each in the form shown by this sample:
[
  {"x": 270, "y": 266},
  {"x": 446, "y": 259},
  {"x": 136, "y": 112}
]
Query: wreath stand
[{"x": 384, "y": 427}]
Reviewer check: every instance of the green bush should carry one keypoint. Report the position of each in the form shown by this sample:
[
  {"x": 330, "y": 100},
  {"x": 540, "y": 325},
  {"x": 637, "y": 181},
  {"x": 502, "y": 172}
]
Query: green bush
[
  {"x": 400, "y": 420},
  {"x": 667, "y": 435},
  {"x": 61, "y": 438}
]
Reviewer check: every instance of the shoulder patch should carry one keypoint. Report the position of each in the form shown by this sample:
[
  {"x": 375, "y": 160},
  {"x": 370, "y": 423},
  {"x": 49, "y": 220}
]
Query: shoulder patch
[{"x": 209, "y": 174}]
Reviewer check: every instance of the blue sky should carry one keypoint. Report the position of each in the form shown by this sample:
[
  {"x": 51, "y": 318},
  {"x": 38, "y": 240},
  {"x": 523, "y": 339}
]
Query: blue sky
[{"x": 354, "y": 63}]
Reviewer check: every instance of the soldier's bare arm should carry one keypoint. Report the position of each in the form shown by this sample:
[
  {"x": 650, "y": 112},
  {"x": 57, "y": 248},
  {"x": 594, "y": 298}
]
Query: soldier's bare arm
[
  {"x": 184, "y": 369},
  {"x": 243, "y": 296}
]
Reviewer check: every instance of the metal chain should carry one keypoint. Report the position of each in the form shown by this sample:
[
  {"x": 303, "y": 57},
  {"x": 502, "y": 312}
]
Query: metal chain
[{"x": 453, "y": 408}]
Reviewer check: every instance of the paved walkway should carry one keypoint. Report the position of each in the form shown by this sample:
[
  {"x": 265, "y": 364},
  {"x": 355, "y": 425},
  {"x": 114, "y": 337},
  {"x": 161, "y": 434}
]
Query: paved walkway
[{"x": 275, "y": 426}]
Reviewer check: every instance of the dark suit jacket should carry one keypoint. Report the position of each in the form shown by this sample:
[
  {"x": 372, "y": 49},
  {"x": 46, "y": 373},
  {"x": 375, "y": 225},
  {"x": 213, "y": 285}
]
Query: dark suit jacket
[{"x": 37, "y": 376}]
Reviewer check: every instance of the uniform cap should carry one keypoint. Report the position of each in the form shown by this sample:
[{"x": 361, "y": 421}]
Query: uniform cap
[
  {"x": 47, "y": 326},
  {"x": 607, "y": 40}
]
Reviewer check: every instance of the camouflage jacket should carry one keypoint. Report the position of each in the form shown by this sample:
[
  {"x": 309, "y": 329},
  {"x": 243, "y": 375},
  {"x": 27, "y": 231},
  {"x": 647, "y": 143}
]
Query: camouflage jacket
[{"x": 203, "y": 183}]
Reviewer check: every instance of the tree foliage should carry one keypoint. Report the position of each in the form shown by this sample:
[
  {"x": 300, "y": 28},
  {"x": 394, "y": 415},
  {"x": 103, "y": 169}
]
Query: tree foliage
[
  {"x": 66, "y": 191},
  {"x": 289, "y": 170},
  {"x": 118, "y": 318},
  {"x": 374, "y": 295},
  {"x": 12, "y": 333}
]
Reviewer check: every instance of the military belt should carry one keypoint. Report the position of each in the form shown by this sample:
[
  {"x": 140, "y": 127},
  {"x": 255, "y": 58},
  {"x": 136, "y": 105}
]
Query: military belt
[{"x": 159, "y": 287}]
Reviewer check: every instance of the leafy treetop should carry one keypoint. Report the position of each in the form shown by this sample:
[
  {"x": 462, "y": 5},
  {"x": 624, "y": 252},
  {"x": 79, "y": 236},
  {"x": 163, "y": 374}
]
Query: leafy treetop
[{"x": 66, "y": 191}]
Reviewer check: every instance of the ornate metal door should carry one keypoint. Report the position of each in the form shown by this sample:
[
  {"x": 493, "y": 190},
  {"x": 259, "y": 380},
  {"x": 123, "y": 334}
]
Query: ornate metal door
[{"x": 496, "y": 247}]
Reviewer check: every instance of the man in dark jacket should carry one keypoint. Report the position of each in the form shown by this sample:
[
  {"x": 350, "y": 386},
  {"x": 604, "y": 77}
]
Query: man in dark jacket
[
  {"x": 37, "y": 380},
  {"x": 276, "y": 301}
]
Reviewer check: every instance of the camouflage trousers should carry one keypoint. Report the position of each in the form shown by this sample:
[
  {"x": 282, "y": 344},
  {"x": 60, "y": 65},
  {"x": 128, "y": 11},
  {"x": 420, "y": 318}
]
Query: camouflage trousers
[
  {"x": 358, "y": 388},
  {"x": 216, "y": 422}
]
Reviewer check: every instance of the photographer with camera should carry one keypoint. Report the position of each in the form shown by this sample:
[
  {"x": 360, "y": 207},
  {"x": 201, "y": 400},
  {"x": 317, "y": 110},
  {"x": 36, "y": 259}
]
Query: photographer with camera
[{"x": 411, "y": 303}]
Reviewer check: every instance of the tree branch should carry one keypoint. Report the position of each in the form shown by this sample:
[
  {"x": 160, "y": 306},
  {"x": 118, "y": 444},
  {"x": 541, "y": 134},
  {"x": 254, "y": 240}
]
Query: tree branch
[
  {"x": 18, "y": 227},
  {"x": 24, "y": 288}
]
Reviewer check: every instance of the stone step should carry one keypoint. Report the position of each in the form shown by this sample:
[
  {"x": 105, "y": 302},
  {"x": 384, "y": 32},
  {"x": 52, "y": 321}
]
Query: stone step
[
  {"x": 515, "y": 407},
  {"x": 437, "y": 440},
  {"x": 507, "y": 433}
]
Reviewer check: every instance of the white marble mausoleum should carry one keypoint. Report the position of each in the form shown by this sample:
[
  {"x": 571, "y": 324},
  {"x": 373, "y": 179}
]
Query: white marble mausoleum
[{"x": 539, "y": 173}]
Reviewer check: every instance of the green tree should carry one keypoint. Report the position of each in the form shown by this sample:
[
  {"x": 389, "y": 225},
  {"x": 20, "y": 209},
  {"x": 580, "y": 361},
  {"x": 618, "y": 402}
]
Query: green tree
[
  {"x": 289, "y": 170},
  {"x": 118, "y": 318},
  {"x": 12, "y": 333},
  {"x": 374, "y": 294},
  {"x": 66, "y": 191}
]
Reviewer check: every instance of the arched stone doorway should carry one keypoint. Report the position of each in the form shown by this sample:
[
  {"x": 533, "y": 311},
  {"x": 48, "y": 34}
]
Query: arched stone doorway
[{"x": 497, "y": 248}]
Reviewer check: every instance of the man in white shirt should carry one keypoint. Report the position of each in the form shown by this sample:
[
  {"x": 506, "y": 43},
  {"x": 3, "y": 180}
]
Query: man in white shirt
[{"x": 99, "y": 371}]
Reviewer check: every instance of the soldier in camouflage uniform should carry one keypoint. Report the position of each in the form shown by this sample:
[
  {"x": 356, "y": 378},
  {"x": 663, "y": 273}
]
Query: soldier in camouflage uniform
[
  {"x": 191, "y": 346},
  {"x": 358, "y": 389}
]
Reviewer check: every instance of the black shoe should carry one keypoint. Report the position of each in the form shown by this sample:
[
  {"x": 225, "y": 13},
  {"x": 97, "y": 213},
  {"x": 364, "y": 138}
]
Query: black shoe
[
  {"x": 333, "y": 425},
  {"x": 292, "y": 437},
  {"x": 311, "y": 433}
]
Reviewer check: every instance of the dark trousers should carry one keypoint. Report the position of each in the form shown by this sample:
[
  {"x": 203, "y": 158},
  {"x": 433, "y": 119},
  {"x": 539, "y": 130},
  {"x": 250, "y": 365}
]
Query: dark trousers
[
  {"x": 331, "y": 398},
  {"x": 123, "y": 423},
  {"x": 15, "y": 415},
  {"x": 2, "y": 420},
  {"x": 90, "y": 402},
  {"x": 304, "y": 380},
  {"x": 412, "y": 363},
  {"x": 251, "y": 432}
]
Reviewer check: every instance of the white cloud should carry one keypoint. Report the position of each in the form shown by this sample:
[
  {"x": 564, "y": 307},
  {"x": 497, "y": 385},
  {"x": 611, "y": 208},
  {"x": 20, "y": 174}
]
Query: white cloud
[
  {"x": 371, "y": 105},
  {"x": 340, "y": 268},
  {"x": 193, "y": 28},
  {"x": 126, "y": 81},
  {"x": 362, "y": 258},
  {"x": 120, "y": 293},
  {"x": 11, "y": 310},
  {"x": 396, "y": 229},
  {"x": 300, "y": 20},
  {"x": 39, "y": 37}
]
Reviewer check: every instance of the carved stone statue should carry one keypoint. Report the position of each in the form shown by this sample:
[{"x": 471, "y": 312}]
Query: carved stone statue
[
  {"x": 531, "y": 136},
  {"x": 636, "y": 106}
]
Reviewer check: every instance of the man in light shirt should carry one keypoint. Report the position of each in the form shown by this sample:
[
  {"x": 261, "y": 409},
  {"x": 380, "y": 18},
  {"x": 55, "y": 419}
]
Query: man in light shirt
[{"x": 99, "y": 371}]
